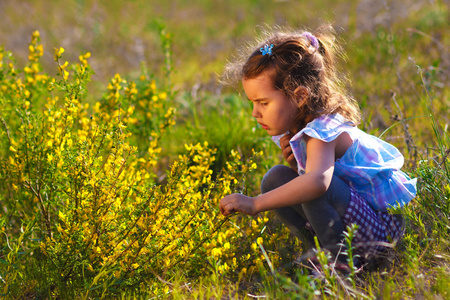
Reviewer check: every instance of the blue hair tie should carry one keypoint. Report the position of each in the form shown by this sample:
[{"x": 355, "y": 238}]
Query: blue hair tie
[{"x": 266, "y": 49}]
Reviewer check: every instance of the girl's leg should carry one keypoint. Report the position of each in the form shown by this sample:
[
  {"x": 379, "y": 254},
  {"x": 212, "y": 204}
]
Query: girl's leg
[
  {"x": 325, "y": 213},
  {"x": 293, "y": 217}
]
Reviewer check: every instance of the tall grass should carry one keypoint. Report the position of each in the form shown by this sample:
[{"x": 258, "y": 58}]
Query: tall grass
[{"x": 225, "y": 122}]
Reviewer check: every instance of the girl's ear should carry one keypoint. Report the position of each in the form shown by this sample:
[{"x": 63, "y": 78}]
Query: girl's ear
[{"x": 301, "y": 94}]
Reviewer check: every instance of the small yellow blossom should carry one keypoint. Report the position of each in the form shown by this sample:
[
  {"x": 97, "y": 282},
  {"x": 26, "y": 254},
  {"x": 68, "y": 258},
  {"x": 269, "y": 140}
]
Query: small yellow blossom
[
  {"x": 216, "y": 252},
  {"x": 66, "y": 75},
  {"x": 58, "y": 52},
  {"x": 61, "y": 215},
  {"x": 163, "y": 95}
]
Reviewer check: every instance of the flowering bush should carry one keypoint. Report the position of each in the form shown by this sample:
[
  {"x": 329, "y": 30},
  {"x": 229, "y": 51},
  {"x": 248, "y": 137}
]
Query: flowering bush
[{"x": 83, "y": 213}]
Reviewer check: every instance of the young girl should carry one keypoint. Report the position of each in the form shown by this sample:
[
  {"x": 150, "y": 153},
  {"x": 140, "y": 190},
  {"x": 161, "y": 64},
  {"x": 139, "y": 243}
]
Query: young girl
[{"x": 338, "y": 174}]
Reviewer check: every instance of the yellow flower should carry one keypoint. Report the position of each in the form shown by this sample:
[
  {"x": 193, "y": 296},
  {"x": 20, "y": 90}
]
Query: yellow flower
[
  {"x": 66, "y": 75},
  {"x": 58, "y": 53},
  {"x": 163, "y": 95},
  {"x": 40, "y": 49},
  {"x": 223, "y": 268},
  {"x": 153, "y": 85},
  {"x": 216, "y": 252}
]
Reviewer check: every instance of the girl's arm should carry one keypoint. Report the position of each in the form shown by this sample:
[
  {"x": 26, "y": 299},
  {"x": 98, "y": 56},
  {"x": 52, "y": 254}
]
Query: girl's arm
[{"x": 307, "y": 187}]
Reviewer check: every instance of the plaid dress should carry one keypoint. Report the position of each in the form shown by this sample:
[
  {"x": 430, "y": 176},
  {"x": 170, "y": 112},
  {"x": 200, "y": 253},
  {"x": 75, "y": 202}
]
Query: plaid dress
[
  {"x": 376, "y": 230},
  {"x": 371, "y": 168}
]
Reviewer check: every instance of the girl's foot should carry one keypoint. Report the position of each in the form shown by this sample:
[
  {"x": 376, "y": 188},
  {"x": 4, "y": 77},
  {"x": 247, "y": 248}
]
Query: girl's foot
[{"x": 310, "y": 261}]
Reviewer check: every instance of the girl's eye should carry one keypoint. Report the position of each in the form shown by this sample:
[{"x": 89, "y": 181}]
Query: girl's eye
[{"x": 263, "y": 103}]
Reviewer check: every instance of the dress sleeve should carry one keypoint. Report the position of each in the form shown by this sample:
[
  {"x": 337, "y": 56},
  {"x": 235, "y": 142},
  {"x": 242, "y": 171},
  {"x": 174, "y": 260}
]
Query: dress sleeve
[{"x": 324, "y": 128}]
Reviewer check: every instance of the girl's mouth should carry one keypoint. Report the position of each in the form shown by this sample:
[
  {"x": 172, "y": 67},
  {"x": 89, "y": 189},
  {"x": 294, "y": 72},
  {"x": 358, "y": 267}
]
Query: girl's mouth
[{"x": 265, "y": 127}]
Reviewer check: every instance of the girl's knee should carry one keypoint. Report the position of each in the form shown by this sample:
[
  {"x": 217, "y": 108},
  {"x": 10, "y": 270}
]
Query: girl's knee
[
  {"x": 336, "y": 197},
  {"x": 276, "y": 177}
]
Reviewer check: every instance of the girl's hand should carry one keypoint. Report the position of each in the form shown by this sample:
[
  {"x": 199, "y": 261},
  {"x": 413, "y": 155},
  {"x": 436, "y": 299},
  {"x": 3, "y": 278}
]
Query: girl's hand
[
  {"x": 237, "y": 203},
  {"x": 287, "y": 151}
]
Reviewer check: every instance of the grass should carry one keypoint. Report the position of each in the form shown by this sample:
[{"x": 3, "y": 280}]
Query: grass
[{"x": 397, "y": 59}]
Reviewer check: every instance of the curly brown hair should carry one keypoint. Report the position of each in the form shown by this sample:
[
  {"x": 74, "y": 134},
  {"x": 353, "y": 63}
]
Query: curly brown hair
[{"x": 294, "y": 62}]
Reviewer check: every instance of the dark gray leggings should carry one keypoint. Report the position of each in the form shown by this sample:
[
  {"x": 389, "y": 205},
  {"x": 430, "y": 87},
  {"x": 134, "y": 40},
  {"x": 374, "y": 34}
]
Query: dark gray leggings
[{"x": 324, "y": 213}]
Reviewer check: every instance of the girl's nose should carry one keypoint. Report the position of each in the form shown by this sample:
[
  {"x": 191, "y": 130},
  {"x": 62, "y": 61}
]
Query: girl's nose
[{"x": 255, "y": 112}]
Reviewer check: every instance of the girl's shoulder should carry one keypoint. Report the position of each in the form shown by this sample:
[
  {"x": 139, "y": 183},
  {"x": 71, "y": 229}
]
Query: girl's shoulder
[
  {"x": 326, "y": 127},
  {"x": 329, "y": 122}
]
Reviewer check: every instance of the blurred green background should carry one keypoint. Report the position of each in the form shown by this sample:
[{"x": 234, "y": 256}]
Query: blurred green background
[
  {"x": 387, "y": 43},
  {"x": 122, "y": 34}
]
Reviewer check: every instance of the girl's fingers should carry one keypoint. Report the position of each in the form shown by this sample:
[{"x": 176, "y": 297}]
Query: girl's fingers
[
  {"x": 226, "y": 206},
  {"x": 284, "y": 140},
  {"x": 227, "y": 211},
  {"x": 237, "y": 203},
  {"x": 286, "y": 146},
  {"x": 287, "y": 152},
  {"x": 284, "y": 143}
]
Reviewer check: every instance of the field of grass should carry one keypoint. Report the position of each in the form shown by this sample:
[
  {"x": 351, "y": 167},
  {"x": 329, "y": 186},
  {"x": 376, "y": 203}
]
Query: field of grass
[{"x": 398, "y": 67}]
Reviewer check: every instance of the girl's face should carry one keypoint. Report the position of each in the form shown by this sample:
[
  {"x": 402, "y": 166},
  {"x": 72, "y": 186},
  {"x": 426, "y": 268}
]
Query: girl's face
[{"x": 271, "y": 107}]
